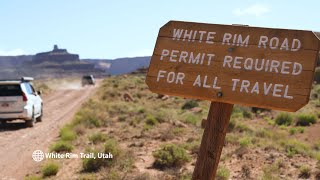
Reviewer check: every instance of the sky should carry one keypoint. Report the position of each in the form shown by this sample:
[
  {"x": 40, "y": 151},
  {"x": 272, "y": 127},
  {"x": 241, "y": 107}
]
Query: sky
[{"x": 109, "y": 29}]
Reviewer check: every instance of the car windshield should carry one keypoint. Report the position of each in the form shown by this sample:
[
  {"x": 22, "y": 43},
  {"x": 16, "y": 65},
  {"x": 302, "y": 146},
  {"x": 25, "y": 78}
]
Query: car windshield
[{"x": 10, "y": 90}]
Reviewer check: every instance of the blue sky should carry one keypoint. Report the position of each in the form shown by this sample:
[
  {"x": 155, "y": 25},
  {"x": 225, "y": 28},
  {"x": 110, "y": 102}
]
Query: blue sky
[{"x": 112, "y": 29}]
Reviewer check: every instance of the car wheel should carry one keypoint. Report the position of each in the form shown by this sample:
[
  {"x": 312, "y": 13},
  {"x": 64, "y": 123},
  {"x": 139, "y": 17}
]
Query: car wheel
[
  {"x": 30, "y": 123},
  {"x": 39, "y": 119}
]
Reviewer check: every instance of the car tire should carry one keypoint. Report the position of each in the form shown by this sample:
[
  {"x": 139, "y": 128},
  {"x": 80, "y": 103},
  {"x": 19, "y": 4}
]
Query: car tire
[
  {"x": 30, "y": 123},
  {"x": 39, "y": 119}
]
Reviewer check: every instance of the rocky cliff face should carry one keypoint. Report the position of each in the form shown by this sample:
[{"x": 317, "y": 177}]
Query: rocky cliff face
[{"x": 56, "y": 56}]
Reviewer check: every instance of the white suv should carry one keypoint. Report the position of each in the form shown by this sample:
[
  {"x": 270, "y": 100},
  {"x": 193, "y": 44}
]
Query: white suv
[{"x": 19, "y": 100}]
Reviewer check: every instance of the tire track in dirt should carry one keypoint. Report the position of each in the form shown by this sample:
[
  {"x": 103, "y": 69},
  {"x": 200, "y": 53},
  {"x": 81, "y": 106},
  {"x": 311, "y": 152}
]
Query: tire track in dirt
[{"x": 17, "y": 142}]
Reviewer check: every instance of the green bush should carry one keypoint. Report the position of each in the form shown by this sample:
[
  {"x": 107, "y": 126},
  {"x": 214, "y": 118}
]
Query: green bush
[
  {"x": 61, "y": 146},
  {"x": 111, "y": 146},
  {"x": 232, "y": 125},
  {"x": 93, "y": 165},
  {"x": 244, "y": 142},
  {"x": 293, "y": 131},
  {"x": 306, "y": 119},
  {"x": 170, "y": 155},
  {"x": 50, "y": 169},
  {"x": 151, "y": 120},
  {"x": 317, "y": 75},
  {"x": 190, "y": 104},
  {"x": 97, "y": 137},
  {"x": 247, "y": 114},
  {"x": 67, "y": 133},
  {"x": 305, "y": 172},
  {"x": 191, "y": 119},
  {"x": 222, "y": 173},
  {"x": 284, "y": 119}
]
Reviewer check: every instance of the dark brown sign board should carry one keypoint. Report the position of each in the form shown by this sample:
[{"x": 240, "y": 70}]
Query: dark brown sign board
[{"x": 226, "y": 64}]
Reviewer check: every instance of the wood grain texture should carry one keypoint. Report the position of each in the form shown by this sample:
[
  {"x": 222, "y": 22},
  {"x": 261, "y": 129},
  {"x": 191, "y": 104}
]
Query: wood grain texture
[
  {"x": 299, "y": 85},
  {"x": 212, "y": 141}
]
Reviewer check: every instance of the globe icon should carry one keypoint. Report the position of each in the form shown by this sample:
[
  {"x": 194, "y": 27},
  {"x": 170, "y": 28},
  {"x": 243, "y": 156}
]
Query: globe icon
[{"x": 37, "y": 155}]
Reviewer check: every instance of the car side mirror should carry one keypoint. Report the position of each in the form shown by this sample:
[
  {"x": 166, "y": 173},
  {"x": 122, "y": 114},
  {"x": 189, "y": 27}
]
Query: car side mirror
[{"x": 39, "y": 92}]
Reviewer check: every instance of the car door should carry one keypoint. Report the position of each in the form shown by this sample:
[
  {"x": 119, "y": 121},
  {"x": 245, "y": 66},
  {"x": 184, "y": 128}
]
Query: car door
[
  {"x": 32, "y": 98},
  {"x": 37, "y": 100}
]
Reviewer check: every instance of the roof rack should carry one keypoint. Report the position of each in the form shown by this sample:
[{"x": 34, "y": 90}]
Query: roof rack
[
  {"x": 27, "y": 79},
  {"x": 22, "y": 79}
]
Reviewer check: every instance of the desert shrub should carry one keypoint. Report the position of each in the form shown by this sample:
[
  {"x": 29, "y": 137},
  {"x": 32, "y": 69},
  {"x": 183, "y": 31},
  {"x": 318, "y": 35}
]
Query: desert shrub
[
  {"x": 190, "y": 104},
  {"x": 91, "y": 164},
  {"x": 191, "y": 119},
  {"x": 97, "y": 137},
  {"x": 87, "y": 177},
  {"x": 193, "y": 146},
  {"x": 258, "y": 110},
  {"x": 111, "y": 146},
  {"x": 305, "y": 172},
  {"x": 151, "y": 120},
  {"x": 232, "y": 125},
  {"x": 247, "y": 114},
  {"x": 300, "y": 129},
  {"x": 243, "y": 128},
  {"x": 263, "y": 133},
  {"x": 306, "y": 119},
  {"x": 317, "y": 75},
  {"x": 113, "y": 174},
  {"x": 61, "y": 146},
  {"x": 293, "y": 131},
  {"x": 80, "y": 129},
  {"x": 50, "y": 169},
  {"x": 245, "y": 141},
  {"x": 284, "y": 119},
  {"x": 178, "y": 131},
  {"x": 170, "y": 155},
  {"x": 32, "y": 178},
  {"x": 67, "y": 133},
  {"x": 293, "y": 147},
  {"x": 122, "y": 118},
  {"x": 271, "y": 172},
  {"x": 222, "y": 173}
]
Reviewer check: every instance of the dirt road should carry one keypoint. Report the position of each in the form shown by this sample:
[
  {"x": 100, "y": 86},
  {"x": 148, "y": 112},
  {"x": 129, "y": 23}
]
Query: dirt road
[{"x": 17, "y": 142}]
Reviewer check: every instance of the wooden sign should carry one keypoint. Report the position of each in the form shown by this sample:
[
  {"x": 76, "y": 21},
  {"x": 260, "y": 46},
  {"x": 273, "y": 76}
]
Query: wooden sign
[{"x": 261, "y": 67}]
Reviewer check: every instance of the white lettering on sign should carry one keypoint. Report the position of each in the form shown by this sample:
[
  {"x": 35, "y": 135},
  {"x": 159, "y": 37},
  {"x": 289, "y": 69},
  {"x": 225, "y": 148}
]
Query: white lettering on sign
[
  {"x": 198, "y": 82},
  {"x": 236, "y": 39},
  {"x": 282, "y": 67},
  {"x": 273, "y": 43},
  {"x": 172, "y": 77},
  {"x": 247, "y": 87},
  {"x": 193, "y": 35},
  {"x": 186, "y": 57}
]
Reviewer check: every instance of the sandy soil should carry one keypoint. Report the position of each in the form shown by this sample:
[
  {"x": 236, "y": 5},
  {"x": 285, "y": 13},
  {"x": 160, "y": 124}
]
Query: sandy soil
[{"x": 17, "y": 142}]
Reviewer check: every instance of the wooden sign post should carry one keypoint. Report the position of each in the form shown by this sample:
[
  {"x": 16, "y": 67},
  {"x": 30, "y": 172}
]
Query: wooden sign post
[{"x": 251, "y": 66}]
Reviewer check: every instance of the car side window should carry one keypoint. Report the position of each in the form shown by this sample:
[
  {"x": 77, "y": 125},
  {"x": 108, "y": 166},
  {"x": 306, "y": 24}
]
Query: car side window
[
  {"x": 32, "y": 89},
  {"x": 29, "y": 88}
]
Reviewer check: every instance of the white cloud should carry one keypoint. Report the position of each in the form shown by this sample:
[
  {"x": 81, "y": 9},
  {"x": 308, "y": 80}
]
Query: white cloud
[
  {"x": 14, "y": 52},
  {"x": 255, "y": 10}
]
